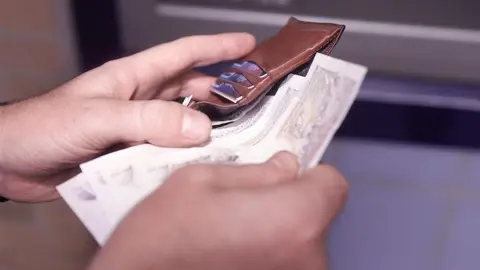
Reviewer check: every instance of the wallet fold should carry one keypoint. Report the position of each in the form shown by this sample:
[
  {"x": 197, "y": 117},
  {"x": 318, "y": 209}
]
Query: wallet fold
[{"x": 252, "y": 76}]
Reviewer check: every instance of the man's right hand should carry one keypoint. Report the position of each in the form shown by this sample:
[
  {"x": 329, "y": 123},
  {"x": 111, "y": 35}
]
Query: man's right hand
[{"x": 225, "y": 217}]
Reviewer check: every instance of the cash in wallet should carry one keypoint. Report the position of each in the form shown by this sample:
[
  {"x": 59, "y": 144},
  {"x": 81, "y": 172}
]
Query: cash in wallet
[{"x": 241, "y": 86}]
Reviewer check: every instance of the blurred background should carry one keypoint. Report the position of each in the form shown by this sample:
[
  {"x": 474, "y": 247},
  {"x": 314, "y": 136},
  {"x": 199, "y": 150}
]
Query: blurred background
[{"x": 409, "y": 147}]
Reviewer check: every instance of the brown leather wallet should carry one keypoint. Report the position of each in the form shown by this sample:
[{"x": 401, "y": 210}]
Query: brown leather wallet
[{"x": 289, "y": 51}]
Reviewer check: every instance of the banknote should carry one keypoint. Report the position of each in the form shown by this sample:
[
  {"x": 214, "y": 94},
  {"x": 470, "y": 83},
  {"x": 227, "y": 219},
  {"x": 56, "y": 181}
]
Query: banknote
[
  {"x": 319, "y": 109},
  {"x": 238, "y": 114},
  {"x": 302, "y": 118}
]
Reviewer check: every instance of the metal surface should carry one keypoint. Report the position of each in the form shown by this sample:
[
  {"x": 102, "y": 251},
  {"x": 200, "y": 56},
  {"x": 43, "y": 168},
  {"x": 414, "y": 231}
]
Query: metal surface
[
  {"x": 276, "y": 19},
  {"x": 460, "y": 14},
  {"x": 448, "y": 52}
]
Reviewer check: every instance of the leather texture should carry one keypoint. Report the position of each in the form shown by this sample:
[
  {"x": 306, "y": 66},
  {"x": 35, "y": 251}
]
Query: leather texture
[{"x": 293, "y": 46}]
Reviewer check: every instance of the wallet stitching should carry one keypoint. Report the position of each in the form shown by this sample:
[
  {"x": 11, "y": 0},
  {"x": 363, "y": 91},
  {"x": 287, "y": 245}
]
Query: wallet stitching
[
  {"x": 333, "y": 41},
  {"x": 307, "y": 56},
  {"x": 296, "y": 64},
  {"x": 269, "y": 79},
  {"x": 246, "y": 75}
]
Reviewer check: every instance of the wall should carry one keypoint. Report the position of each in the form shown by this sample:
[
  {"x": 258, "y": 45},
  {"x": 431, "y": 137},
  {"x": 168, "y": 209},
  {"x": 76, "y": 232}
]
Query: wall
[
  {"x": 410, "y": 207},
  {"x": 36, "y": 54},
  {"x": 36, "y": 48}
]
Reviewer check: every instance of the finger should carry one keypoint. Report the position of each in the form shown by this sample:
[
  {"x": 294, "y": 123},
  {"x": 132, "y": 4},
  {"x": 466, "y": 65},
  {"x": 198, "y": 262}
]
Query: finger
[
  {"x": 162, "y": 123},
  {"x": 197, "y": 86},
  {"x": 160, "y": 64},
  {"x": 280, "y": 168},
  {"x": 143, "y": 74},
  {"x": 192, "y": 84},
  {"x": 34, "y": 189},
  {"x": 324, "y": 190},
  {"x": 313, "y": 200}
]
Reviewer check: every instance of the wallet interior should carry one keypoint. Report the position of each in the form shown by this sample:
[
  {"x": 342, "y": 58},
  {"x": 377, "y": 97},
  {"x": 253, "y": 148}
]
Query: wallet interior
[{"x": 219, "y": 114}]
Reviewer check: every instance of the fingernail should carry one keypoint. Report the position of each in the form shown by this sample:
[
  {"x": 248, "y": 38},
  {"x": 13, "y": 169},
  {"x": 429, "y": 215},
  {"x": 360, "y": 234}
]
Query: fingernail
[
  {"x": 285, "y": 161},
  {"x": 196, "y": 125}
]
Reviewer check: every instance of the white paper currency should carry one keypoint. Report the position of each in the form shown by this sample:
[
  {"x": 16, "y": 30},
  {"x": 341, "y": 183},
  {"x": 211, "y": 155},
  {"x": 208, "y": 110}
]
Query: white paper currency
[{"x": 301, "y": 118}]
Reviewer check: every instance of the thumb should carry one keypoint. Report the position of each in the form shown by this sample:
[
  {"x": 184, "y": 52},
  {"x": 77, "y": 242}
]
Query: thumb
[
  {"x": 281, "y": 167},
  {"x": 315, "y": 198},
  {"x": 162, "y": 123}
]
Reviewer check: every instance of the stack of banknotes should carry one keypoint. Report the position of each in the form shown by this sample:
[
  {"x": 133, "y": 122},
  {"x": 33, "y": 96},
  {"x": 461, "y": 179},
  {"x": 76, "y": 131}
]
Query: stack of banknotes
[{"x": 302, "y": 117}]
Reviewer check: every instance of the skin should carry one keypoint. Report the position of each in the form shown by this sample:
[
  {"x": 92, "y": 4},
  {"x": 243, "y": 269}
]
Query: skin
[
  {"x": 125, "y": 101},
  {"x": 263, "y": 216},
  {"x": 256, "y": 217}
]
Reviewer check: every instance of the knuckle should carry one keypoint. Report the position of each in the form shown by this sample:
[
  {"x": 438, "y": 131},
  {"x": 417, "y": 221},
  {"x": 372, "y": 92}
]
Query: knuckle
[
  {"x": 159, "y": 118},
  {"x": 90, "y": 115},
  {"x": 270, "y": 173},
  {"x": 119, "y": 76},
  {"x": 301, "y": 224},
  {"x": 140, "y": 119},
  {"x": 116, "y": 69},
  {"x": 110, "y": 65},
  {"x": 275, "y": 172},
  {"x": 331, "y": 179},
  {"x": 286, "y": 161},
  {"x": 335, "y": 179},
  {"x": 307, "y": 224}
]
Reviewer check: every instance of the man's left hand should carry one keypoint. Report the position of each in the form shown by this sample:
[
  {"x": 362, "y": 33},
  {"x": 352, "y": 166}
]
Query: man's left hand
[{"x": 125, "y": 101}]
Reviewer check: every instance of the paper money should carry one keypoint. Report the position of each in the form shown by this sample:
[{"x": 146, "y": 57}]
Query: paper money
[{"x": 302, "y": 117}]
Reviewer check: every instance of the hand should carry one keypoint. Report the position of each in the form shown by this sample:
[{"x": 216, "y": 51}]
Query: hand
[
  {"x": 255, "y": 217},
  {"x": 42, "y": 140}
]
